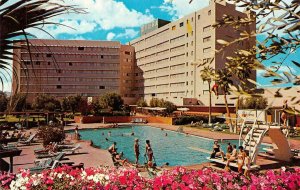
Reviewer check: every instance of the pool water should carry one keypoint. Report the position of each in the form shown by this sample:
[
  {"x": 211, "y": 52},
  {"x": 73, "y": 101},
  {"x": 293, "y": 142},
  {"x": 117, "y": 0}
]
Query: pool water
[{"x": 175, "y": 148}]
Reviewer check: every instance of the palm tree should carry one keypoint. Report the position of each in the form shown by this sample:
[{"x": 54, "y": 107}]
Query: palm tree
[
  {"x": 207, "y": 74},
  {"x": 16, "y": 17},
  {"x": 224, "y": 80}
]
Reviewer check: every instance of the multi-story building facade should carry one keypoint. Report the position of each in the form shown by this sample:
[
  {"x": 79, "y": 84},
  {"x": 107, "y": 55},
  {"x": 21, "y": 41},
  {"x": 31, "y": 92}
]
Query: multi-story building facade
[
  {"x": 70, "y": 67},
  {"x": 168, "y": 54}
]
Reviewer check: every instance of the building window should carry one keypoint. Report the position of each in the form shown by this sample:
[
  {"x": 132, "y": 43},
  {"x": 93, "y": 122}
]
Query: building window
[
  {"x": 192, "y": 73},
  {"x": 101, "y": 87},
  {"x": 192, "y": 82},
  {"x": 209, "y": 12},
  {"x": 37, "y": 55},
  {"x": 102, "y": 56},
  {"x": 173, "y": 27},
  {"x": 187, "y": 64},
  {"x": 70, "y": 64},
  {"x": 206, "y": 28},
  {"x": 192, "y": 53},
  {"x": 127, "y": 53},
  {"x": 38, "y": 63},
  {"x": 80, "y": 48},
  {"x": 206, "y": 39},
  {"x": 181, "y": 24},
  {"x": 187, "y": 34},
  {"x": 49, "y": 55},
  {"x": 206, "y": 50},
  {"x": 58, "y": 86},
  {"x": 187, "y": 44},
  {"x": 187, "y": 82},
  {"x": 187, "y": 54},
  {"x": 192, "y": 19},
  {"x": 27, "y": 62},
  {"x": 187, "y": 73},
  {"x": 49, "y": 63},
  {"x": 199, "y": 17},
  {"x": 58, "y": 79},
  {"x": 59, "y": 70},
  {"x": 192, "y": 43}
]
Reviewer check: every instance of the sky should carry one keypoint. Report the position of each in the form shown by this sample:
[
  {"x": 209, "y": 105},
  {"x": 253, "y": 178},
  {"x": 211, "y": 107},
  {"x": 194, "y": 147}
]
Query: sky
[{"x": 120, "y": 20}]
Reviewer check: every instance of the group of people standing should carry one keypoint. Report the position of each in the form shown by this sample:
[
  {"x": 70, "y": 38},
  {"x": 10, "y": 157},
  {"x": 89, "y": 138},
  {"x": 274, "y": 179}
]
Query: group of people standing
[
  {"x": 232, "y": 154},
  {"x": 136, "y": 147}
]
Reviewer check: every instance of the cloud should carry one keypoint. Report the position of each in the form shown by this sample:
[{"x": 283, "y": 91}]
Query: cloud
[
  {"x": 110, "y": 36},
  {"x": 101, "y": 15},
  {"x": 180, "y": 8},
  {"x": 128, "y": 33}
]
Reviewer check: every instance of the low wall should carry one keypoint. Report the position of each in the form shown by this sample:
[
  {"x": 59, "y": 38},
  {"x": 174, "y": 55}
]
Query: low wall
[{"x": 121, "y": 119}]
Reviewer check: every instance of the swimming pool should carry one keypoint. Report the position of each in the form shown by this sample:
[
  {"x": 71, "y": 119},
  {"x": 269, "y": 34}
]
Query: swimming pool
[{"x": 175, "y": 148}]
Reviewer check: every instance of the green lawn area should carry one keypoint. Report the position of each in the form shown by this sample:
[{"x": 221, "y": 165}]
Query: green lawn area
[
  {"x": 11, "y": 118},
  {"x": 227, "y": 131}
]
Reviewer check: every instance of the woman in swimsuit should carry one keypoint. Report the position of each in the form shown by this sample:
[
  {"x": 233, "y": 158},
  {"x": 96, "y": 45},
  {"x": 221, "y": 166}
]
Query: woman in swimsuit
[
  {"x": 231, "y": 157},
  {"x": 217, "y": 151},
  {"x": 241, "y": 159},
  {"x": 149, "y": 153}
]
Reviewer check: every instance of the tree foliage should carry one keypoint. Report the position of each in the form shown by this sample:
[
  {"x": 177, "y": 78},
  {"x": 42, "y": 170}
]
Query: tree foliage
[
  {"x": 72, "y": 103},
  {"x": 156, "y": 102},
  {"x": 253, "y": 103},
  {"x": 170, "y": 107},
  {"x": 141, "y": 103},
  {"x": 16, "y": 17},
  {"x": 46, "y": 103},
  {"x": 17, "y": 103},
  {"x": 111, "y": 101},
  {"x": 3, "y": 102},
  {"x": 51, "y": 134},
  {"x": 278, "y": 23}
]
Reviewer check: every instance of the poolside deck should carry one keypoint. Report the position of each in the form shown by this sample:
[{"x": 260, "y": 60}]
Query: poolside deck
[{"x": 93, "y": 157}]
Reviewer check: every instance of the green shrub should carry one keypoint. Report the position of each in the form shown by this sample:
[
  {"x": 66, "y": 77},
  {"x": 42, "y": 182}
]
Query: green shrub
[
  {"x": 184, "y": 120},
  {"x": 51, "y": 134},
  {"x": 253, "y": 103}
]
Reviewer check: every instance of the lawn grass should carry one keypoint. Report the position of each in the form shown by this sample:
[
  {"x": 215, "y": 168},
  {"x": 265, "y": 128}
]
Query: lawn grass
[{"x": 13, "y": 119}]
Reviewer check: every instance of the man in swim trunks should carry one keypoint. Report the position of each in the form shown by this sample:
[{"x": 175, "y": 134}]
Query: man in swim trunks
[{"x": 136, "y": 150}]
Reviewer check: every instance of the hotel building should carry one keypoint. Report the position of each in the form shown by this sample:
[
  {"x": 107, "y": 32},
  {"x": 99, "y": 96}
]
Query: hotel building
[
  {"x": 167, "y": 54},
  {"x": 69, "y": 67}
]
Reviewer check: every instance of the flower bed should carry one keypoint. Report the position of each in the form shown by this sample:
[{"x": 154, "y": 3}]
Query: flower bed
[{"x": 179, "y": 178}]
